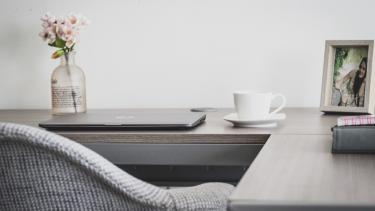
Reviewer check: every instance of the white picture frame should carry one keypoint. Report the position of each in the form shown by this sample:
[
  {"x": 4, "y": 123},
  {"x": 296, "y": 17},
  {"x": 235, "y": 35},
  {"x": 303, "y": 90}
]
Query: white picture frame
[{"x": 329, "y": 91}]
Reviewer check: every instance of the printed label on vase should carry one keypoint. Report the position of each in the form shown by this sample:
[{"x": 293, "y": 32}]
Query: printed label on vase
[{"x": 66, "y": 96}]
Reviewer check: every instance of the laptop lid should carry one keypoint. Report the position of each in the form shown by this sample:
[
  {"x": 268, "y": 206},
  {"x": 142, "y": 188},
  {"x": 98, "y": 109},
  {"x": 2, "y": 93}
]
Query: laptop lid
[{"x": 123, "y": 120}]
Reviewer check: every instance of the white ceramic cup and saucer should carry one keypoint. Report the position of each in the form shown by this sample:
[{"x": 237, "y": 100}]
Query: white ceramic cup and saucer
[{"x": 253, "y": 109}]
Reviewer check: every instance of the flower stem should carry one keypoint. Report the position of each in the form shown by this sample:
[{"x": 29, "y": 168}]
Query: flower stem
[{"x": 74, "y": 94}]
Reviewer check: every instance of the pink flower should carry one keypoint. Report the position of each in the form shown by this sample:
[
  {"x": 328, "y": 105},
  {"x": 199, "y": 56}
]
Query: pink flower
[
  {"x": 73, "y": 19},
  {"x": 48, "y": 20},
  {"x": 52, "y": 20},
  {"x": 63, "y": 28},
  {"x": 44, "y": 35},
  {"x": 65, "y": 32},
  {"x": 70, "y": 43},
  {"x": 51, "y": 37},
  {"x": 45, "y": 24},
  {"x": 46, "y": 16},
  {"x": 84, "y": 21},
  {"x": 48, "y": 35}
]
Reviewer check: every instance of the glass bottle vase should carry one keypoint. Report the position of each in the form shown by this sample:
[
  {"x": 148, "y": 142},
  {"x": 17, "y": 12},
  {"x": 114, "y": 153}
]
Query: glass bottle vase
[{"x": 68, "y": 87}]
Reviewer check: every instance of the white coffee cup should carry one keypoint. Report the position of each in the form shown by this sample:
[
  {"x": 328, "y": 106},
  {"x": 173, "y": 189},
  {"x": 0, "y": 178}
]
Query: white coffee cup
[{"x": 254, "y": 105}]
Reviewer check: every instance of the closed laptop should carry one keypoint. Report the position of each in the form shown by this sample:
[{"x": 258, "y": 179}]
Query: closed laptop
[{"x": 125, "y": 120}]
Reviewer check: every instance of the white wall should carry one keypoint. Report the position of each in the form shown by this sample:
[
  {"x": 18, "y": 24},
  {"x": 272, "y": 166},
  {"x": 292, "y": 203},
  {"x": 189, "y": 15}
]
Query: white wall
[{"x": 164, "y": 53}]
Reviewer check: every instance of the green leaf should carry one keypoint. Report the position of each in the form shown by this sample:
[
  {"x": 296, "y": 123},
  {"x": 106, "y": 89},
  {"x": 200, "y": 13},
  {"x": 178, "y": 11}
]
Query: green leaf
[
  {"x": 57, "y": 54},
  {"x": 59, "y": 43},
  {"x": 52, "y": 44}
]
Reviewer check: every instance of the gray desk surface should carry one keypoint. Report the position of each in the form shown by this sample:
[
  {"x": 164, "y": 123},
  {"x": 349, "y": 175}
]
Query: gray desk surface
[
  {"x": 298, "y": 172},
  {"x": 215, "y": 130},
  {"x": 293, "y": 171},
  {"x": 214, "y": 143}
]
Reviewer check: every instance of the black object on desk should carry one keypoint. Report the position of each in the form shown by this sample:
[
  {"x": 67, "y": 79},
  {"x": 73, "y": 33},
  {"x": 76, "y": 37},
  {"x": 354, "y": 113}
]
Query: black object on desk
[
  {"x": 204, "y": 109},
  {"x": 353, "y": 139}
]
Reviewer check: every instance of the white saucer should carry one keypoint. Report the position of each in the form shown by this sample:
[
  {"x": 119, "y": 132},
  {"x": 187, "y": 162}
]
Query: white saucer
[{"x": 269, "y": 121}]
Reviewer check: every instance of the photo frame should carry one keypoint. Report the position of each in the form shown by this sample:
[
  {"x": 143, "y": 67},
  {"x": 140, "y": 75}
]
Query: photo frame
[{"x": 348, "y": 78}]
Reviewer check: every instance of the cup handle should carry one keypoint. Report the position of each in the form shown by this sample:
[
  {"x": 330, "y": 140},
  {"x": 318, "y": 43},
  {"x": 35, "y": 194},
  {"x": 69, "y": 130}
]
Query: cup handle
[{"x": 282, "y": 104}]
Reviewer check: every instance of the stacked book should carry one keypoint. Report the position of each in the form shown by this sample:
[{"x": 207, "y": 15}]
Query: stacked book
[{"x": 354, "y": 134}]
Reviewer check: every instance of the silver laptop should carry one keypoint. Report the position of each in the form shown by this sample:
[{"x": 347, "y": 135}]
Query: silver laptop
[{"x": 125, "y": 120}]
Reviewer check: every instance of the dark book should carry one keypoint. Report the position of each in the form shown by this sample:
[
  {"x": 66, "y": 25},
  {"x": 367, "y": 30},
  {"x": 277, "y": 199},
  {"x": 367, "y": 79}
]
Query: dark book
[{"x": 353, "y": 139}]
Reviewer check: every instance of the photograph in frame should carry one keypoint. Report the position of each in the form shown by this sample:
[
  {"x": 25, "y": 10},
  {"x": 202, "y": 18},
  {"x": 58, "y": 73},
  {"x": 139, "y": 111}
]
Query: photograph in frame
[{"x": 349, "y": 76}]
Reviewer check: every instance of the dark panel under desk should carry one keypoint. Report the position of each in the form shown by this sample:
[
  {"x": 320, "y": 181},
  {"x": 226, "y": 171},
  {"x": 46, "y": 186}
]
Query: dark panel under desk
[
  {"x": 163, "y": 175},
  {"x": 177, "y": 154}
]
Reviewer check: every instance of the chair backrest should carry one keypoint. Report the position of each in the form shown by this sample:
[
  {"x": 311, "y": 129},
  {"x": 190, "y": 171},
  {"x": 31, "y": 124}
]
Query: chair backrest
[{"x": 40, "y": 170}]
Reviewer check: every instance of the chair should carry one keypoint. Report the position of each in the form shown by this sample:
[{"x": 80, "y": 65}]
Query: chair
[{"x": 40, "y": 170}]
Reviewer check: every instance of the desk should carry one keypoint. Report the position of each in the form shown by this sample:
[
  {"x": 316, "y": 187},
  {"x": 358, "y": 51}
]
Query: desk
[
  {"x": 214, "y": 151},
  {"x": 293, "y": 171},
  {"x": 298, "y": 172},
  {"x": 215, "y": 142}
]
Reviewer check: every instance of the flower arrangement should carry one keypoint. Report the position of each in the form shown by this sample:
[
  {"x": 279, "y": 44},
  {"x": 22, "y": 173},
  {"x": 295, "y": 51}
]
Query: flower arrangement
[{"x": 62, "y": 32}]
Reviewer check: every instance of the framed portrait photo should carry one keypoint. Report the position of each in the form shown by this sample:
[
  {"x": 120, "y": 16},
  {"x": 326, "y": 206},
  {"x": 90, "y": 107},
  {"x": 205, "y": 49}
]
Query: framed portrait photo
[{"x": 348, "y": 77}]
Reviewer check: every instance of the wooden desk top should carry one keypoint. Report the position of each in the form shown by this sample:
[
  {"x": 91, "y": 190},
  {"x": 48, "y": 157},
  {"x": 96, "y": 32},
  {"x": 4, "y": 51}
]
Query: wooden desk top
[
  {"x": 215, "y": 130},
  {"x": 299, "y": 172},
  {"x": 293, "y": 171}
]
